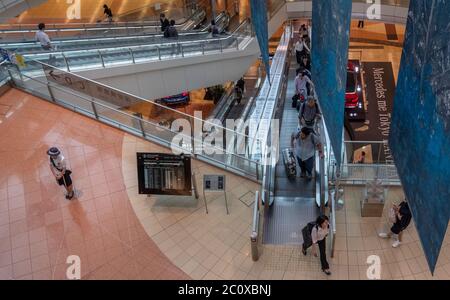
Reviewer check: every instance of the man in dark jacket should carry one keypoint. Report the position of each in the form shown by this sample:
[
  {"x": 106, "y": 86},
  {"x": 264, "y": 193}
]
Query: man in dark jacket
[
  {"x": 402, "y": 219},
  {"x": 164, "y": 22}
]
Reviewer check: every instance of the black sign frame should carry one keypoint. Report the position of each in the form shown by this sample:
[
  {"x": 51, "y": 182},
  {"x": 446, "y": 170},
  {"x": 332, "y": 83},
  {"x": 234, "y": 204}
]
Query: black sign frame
[{"x": 175, "y": 165}]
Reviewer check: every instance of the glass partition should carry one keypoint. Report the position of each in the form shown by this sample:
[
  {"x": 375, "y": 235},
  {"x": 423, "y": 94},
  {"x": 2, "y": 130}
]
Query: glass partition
[{"x": 114, "y": 107}]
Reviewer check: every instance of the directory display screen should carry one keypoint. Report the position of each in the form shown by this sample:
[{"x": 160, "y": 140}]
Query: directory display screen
[{"x": 164, "y": 174}]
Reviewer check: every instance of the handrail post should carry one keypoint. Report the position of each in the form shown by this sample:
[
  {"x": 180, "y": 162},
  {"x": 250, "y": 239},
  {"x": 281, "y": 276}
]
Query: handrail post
[
  {"x": 66, "y": 61},
  {"x": 94, "y": 109},
  {"x": 132, "y": 55},
  {"x": 50, "y": 92},
  {"x": 101, "y": 58},
  {"x": 221, "y": 46}
]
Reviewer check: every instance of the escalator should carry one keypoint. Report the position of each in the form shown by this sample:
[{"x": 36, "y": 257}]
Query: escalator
[
  {"x": 139, "y": 50},
  {"x": 25, "y": 33},
  {"x": 67, "y": 45},
  {"x": 295, "y": 201}
]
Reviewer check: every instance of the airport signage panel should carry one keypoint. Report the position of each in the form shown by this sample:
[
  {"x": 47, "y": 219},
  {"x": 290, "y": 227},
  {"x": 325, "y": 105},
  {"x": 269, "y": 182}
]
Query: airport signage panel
[{"x": 164, "y": 174}]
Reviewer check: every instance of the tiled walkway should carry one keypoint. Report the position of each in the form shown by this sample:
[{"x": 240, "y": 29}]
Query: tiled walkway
[{"x": 39, "y": 229}]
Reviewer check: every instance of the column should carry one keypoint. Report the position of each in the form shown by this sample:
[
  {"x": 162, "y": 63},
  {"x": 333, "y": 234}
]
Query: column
[{"x": 330, "y": 41}]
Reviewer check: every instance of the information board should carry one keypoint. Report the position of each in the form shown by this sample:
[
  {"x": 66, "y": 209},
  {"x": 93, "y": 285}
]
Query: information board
[
  {"x": 164, "y": 174},
  {"x": 214, "y": 182}
]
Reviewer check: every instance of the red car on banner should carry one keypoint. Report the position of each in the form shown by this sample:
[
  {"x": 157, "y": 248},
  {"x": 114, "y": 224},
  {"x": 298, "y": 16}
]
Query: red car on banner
[{"x": 353, "y": 87}]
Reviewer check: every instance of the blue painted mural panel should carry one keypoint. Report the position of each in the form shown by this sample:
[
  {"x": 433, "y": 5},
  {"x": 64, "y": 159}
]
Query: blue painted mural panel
[
  {"x": 260, "y": 24},
  {"x": 330, "y": 42},
  {"x": 420, "y": 134}
]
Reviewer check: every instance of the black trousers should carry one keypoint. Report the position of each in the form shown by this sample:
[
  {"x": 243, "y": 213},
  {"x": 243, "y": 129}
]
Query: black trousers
[{"x": 323, "y": 255}]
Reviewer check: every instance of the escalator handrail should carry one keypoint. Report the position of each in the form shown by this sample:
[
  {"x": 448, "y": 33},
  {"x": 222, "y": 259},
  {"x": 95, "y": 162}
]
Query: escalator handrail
[
  {"x": 71, "y": 39},
  {"x": 100, "y": 26},
  {"x": 127, "y": 48}
]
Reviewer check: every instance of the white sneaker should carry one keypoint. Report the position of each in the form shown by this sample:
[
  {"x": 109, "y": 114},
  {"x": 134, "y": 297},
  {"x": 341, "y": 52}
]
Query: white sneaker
[
  {"x": 383, "y": 235},
  {"x": 396, "y": 244}
]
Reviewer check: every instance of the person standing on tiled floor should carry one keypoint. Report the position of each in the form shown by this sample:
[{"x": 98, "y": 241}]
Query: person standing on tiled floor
[
  {"x": 60, "y": 171},
  {"x": 402, "y": 216}
]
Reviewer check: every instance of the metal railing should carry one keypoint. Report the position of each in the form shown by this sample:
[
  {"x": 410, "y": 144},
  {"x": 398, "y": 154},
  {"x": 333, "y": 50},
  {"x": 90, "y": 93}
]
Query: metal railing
[
  {"x": 108, "y": 57},
  {"x": 360, "y": 174},
  {"x": 97, "y": 107}
]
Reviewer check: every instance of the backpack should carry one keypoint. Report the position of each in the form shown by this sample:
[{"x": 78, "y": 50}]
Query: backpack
[
  {"x": 306, "y": 232},
  {"x": 166, "y": 33}
]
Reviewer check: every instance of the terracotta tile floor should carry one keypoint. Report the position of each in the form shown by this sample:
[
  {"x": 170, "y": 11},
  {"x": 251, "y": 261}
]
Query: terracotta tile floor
[{"x": 39, "y": 229}]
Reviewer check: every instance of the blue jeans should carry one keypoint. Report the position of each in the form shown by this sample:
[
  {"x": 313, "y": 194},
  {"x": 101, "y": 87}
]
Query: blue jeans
[{"x": 306, "y": 166}]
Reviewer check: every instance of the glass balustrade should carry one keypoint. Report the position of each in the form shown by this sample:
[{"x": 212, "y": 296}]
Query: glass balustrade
[{"x": 94, "y": 104}]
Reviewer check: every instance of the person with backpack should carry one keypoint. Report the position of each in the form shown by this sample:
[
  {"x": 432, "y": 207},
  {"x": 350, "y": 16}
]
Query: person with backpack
[
  {"x": 309, "y": 112},
  {"x": 301, "y": 50},
  {"x": 401, "y": 219},
  {"x": 314, "y": 235},
  {"x": 60, "y": 171},
  {"x": 305, "y": 143},
  {"x": 213, "y": 28},
  {"x": 301, "y": 86},
  {"x": 108, "y": 13},
  {"x": 164, "y": 22}
]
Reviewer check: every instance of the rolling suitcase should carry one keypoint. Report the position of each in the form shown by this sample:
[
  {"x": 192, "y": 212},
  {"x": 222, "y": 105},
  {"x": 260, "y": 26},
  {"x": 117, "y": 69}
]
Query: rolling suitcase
[{"x": 290, "y": 163}]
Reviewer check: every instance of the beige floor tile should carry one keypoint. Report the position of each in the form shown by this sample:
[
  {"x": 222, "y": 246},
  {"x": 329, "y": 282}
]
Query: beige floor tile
[
  {"x": 190, "y": 266},
  {"x": 210, "y": 261},
  {"x": 198, "y": 273},
  {"x": 355, "y": 243}
]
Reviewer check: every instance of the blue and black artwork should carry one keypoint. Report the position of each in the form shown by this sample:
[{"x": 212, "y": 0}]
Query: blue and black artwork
[
  {"x": 420, "y": 134},
  {"x": 330, "y": 42}
]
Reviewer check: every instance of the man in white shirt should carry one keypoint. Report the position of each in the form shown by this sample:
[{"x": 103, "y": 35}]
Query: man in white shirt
[
  {"x": 301, "y": 49},
  {"x": 301, "y": 88},
  {"x": 43, "y": 38}
]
